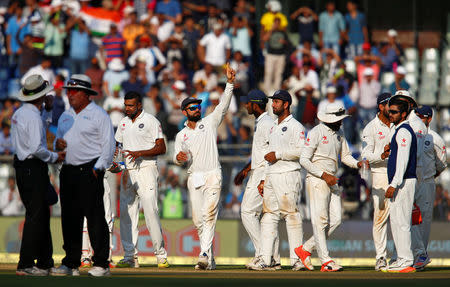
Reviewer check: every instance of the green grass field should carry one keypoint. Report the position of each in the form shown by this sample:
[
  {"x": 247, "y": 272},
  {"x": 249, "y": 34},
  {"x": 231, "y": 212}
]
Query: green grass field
[{"x": 232, "y": 276}]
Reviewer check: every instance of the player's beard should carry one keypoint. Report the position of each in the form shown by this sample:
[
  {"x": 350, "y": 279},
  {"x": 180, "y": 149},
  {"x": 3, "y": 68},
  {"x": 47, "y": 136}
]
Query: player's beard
[
  {"x": 134, "y": 114},
  {"x": 334, "y": 126},
  {"x": 195, "y": 117}
]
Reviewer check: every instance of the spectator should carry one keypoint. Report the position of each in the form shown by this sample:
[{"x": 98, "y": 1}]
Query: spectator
[
  {"x": 331, "y": 28},
  {"x": 6, "y": 146},
  {"x": 29, "y": 56},
  {"x": 295, "y": 83},
  {"x": 241, "y": 35},
  {"x": 169, "y": 130},
  {"x": 174, "y": 51},
  {"x": 297, "y": 57},
  {"x": 96, "y": 74},
  {"x": 113, "y": 44},
  {"x": 43, "y": 69},
  {"x": 275, "y": 60},
  {"x": 207, "y": 75},
  {"x": 441, "y": 204},
  {"x": 241, "y": 84},
  {"x": 176, "y": 72},
  {"x": 134, "y": 83},
  {"x": 202, "y": 94},
  {"x": 196, "y": 9},
  {"x": 331, "y": 97},
  {"x": 37, "y": 27},
  {"x": 389, "y": 55},
  {"x": 369, "y": 90},
  {"x": 131, "y": 31},
  {"x": 367, "y": 60},
  {"x": 171, "y": 9},
  {"x": 307, "y": 107},
  {"x": 307, "y": 21},
  {"x": 15, "y": 25},
  {"x": 310, "y": 75},
  {"x": 193, "y": 36},
  {"x": 268, "y": 18},
  {"x": 165, "y": 28},
  {"x": 393, "y": 46},
  {"x": 244, "y": 10},
  {"x": 172, "y": 203},
  {"x": 10, "y": 203},
  {"x": 115, "y": 75},
  {"x": 215, "y": 48},
  {"x": 174, "y": 100},
  {"x": 328, "y": 67},
  {"x": 148, "y": 102},
  {"x": 79, "y": 46},
  {"x": 356, "y": 30},
  {"x": 59, "y": 105},
  {"x": 114, "y": 106},
  {"x": 54, "y": 34},
  {"x": 151, "y": 55},
  {"x": 400, "y": 82}
]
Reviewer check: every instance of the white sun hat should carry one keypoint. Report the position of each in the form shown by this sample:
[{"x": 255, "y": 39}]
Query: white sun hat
[{"x": 333, "y": 112}]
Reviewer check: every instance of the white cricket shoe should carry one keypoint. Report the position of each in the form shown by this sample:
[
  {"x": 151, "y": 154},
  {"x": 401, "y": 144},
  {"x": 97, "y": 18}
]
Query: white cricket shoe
[
  {"x": 32, "y": 271},
  {"x": 98, "y": 271},
  {"x": 298, "y": 265},
  {"x": 261, "y": 266},
  {"x": 252, "y": 263},
  {"x": 203, "y": 261},
  {"x": 380, "y": 264},
  {"x": 63, "y": 270},
  {"x": 331, "y": 266},
  {"x": 275, "y": 265}
]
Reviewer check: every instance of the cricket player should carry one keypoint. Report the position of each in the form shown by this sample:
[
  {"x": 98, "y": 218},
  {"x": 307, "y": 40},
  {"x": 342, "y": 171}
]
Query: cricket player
[
  {"x": 196, "y": 145},
  {"x": 320, "y": 157},
  {"x": 282, "y": 182},
  {"x": 375, "y": 136},
  {"x": 402, "y": 183},
  {"x": 252, "y": 203},
  {"x": 435, "y": 161},
  {"x": 142, "y": 139}
]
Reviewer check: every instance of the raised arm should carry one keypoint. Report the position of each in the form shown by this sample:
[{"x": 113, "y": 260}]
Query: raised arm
[{"x": 221, "y": 109}]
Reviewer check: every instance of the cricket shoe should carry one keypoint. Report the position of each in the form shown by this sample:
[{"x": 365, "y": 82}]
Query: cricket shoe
[
  {"x": 211, "y": 266},
  {"x": 421, "y": 262},
  {"x": 275, "y": 265},
  {"x": 380, "y": 264},
  {"x": 252, "y": 263},
  {"x": 331, "y": 266},
  {"x": 298, "y": 265},
  {"x": 203, "y": 261},
  {"x": 305, "y": 257},
  {"x": 112, "y": 264},
  {"x": 261, "y": 266},
  {"x": 63, "y": 270},
  {"x": 98, "y": 271},
  {"x": 32, "y": 271},
  {"x": 128, "y": 263},
  {"x": 399, "y": 266},
  {"x": 163, "y": 263},
  {"x": 86, "y": 262}
]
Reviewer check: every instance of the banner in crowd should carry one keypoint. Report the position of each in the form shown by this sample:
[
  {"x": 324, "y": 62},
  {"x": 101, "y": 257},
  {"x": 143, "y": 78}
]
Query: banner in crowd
[{"x": 98, "y": 20}]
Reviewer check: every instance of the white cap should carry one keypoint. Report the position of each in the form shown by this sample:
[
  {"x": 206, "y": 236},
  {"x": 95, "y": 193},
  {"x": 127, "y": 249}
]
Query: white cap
[
  {"x": 401, "y": 70},
  {"x": 154, "y": 20},
  {"x": 331, "y": 90},
  {"x": 214, "y": 95},
  {"x": 129, "y": 9},
  {"x": 3, "y": 10},
  {"x": 217, "y": 26},
  {"x": 274, "y": 6},
  {"x": 36, "y": 17},
  {"x": 179, "y": 85},
  {"x": 403, "y": 93},
  {"x": 368, "y": 72},
  {"x": 144, "y": 17},
  {"x": 56, "y": 3},
  {"x": 392, "y": 33}
]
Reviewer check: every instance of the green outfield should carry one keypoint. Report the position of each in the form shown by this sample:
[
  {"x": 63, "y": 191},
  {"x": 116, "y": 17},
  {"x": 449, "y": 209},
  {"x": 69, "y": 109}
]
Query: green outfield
[{"x": 232, "y": 276}]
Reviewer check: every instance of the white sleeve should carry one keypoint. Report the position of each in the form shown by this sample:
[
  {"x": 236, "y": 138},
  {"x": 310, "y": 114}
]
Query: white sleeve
[
  {"x": 221, "y": 109},
  {"x": 368, "y": 151},
  {"x": 34, "y": 130},
  {"x": 204, "y": 41},
  {"x": 177, "y": 149},
  {"x": 119, "y": 135},
  {"x": 310, "y": 147},
  {"x": 440, "y": 152},
  {"x": 346, "y": 155},
  {"x": 159, "y": 56},
  {"x": 109, "y": 145},
  {"x": 403, "y": 140}
]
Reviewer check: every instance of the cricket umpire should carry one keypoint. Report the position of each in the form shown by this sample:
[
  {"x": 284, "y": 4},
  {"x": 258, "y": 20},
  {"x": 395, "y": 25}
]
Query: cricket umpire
[
  {"x": 30, "y": 163},
  {"x": 88, "y": 138}
]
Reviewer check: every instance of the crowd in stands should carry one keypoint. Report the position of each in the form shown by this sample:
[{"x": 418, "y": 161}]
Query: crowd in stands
[{"x": 169, "y": 49}]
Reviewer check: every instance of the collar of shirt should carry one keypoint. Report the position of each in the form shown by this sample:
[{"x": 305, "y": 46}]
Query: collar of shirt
[
  {"x": 401, "y": 123},
  {"x": 31, "y": 107},
  {"x": 260, "y": 117},
  {"x": 196, "y": 125},
  {"x": 288, "y": 118}
]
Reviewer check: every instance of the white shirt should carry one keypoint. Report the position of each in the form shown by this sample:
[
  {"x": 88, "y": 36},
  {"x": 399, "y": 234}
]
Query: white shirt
[
  {"x": 215, "y": 48},
  {"x": 286, "y": 139},
  {"x": 376, "y": 135},
  {"x": 322, "y": 150},
  {"x": 211, "y": 81},
  {"x": 260, "y": 145},
  {"x": 368, "y": 94},
  {"x": 89, "y": 135},
  {"x": 47, "y": 74},
  {"x": 165, "y": 30},
  {"x": 311, "y": 78},
  {"x": 201, "y": 142},
  {"x": 152, "y": 56},
  {"x": 28, "y": 131},
  {"x": 11, "y": 207},
  {"x": 403, "y": 139},
  {"x": 139, "y": 135},
  {"x": 420, "y": 130},
  {"x": 111, "y": 103},
  {"x": 435, "y": 155}
]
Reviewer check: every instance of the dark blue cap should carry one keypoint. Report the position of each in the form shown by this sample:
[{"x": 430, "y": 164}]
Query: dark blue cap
[
  {"x": 188, "y": 101},
  {"x": 255, "y": 96},
  {"x": 282, "y": 95},
  {"x": 425, "y": 111},
  {"x": 383, "y": 98}
]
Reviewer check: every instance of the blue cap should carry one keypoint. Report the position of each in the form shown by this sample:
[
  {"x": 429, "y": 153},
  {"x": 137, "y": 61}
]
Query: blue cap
[
  {"x": 189, "y": 101},
  {"x": 425, "y": 111},
  {"x": 383, "y": 98},
  {"x": 255, "y": 96},
  {"x": 282, "y": 95}
]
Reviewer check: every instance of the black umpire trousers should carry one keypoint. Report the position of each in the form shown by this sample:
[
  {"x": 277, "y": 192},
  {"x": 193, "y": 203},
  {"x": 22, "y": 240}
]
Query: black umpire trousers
[
  {"x": 81, "y": 194},
  {"x": 33, "y": 183}
]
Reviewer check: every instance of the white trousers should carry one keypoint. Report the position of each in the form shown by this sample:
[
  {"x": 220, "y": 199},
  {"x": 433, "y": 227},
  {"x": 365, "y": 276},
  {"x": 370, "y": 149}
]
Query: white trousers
[
  {"x": 251, "y": 210},
  {"x": 400, "y": 217},
  {"x": 205, "y": 207},
  {"x": 326, "y": 215},
  {"x": 273, "y": 72},
  {"x": 141, "y": 185},
  {"x": 281, "y": 194},
  {"x": 86, "y": 248},
  {"x": 420, "y": 234},
  {"x": 380, "y": 213}
]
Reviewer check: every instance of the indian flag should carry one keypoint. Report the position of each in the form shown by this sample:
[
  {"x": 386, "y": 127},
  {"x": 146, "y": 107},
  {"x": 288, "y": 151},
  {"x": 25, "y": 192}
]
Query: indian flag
[{"x": 98, "y": 20}]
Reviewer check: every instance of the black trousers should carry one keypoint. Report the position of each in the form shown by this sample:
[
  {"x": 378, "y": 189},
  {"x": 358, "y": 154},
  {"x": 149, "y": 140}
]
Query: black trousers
[
  {"x": 81, "y": 194},
  {"x": 32, "y": 182}
]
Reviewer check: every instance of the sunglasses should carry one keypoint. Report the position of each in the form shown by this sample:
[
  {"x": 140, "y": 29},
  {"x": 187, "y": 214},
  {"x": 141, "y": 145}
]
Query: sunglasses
[
  {"x": 394, "y": 112},
  {"x": 73, "y": 82},
  {"x": 194, "y": 108}
]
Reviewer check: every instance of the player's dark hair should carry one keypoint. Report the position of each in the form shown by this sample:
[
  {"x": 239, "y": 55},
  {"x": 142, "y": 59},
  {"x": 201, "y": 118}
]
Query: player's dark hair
[
  {"x": 133, "y": 95},
  {"x": 403, "y": 106}
]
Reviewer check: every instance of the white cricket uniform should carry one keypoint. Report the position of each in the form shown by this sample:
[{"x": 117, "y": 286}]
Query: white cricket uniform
[
  {"x": 282, "y": 187},
  {"x": 142, "y": 184},
  {"x": 376, "y": 135},
  {"x": 204, "y": 172},
  {"x": 86, "y": 248},
  {"x": 321, "y": 154},
  {"x": 435, "y": 161},
  {"x": 401, "y": 204},
  {"x": 252, "y": 203}
]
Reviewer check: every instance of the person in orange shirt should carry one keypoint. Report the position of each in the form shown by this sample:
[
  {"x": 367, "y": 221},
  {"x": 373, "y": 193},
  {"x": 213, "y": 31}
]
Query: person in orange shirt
[{"x": 131, "y": 31}]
